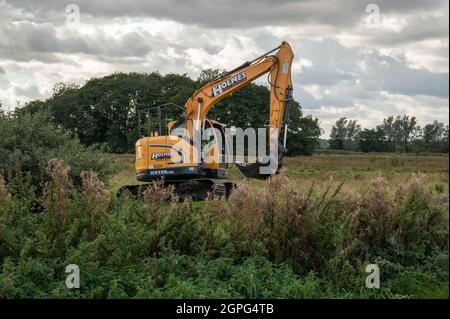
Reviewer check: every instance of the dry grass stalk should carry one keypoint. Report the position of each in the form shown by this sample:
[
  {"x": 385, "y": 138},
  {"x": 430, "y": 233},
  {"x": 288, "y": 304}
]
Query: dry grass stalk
[
  {"x": 158, "y": 192},
  {"x": 245, "y": 208},
  {"x": 415, "y": 185},
  {"x": 377, "y": 199},
  {"x": 94, "y": 189},
  {"x": 95, "y": 193},
  {"x": 57, "y": 191}
]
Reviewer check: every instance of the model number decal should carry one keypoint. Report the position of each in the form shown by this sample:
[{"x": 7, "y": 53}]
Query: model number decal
[{"x": 161, "y": 172}]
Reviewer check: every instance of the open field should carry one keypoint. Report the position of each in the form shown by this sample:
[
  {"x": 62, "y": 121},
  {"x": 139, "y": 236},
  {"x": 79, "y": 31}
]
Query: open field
[
  {"x": 355, "y": 171},
  {"x": 358, "y": 170}
]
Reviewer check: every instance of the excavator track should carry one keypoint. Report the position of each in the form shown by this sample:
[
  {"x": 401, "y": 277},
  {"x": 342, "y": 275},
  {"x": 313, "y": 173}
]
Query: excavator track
[{"x": 196, "y": 189}]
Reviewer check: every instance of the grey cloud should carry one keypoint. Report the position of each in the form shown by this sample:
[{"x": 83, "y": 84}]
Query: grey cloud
[
  {"x": 31, "y": 91},
  {"x": 28, "y": 39},
  {"x": 393, "y": 75},
  {"x": 306, "y": 99},
  {"x": 232, "y": 13},
  {"x": 359, "y": 96},
  {"x": 2, "y": 70},
  {"x": 417, "y": 28},
  {"x": 336, "y": 97},
  {"x": 333, "y": 64}
]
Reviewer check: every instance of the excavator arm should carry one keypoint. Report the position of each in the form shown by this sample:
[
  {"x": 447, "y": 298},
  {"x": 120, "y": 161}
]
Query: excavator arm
[{"x": 278, "y": 66}]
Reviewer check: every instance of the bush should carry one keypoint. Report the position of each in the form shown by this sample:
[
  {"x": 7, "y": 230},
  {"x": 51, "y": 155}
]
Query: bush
[{"x": 28, "y": 142}]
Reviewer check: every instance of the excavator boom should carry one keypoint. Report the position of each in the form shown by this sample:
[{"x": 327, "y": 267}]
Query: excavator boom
[{"x": 279, "y": 66}]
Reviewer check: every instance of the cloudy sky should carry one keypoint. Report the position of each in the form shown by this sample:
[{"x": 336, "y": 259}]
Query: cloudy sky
[{"x": 359, "y": 59}]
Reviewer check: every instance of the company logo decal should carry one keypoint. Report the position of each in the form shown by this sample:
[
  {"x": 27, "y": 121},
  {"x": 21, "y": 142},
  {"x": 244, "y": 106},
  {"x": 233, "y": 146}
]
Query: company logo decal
[
  {"x": 228, "y": 84},
  {"x": 161, "y": 156}
]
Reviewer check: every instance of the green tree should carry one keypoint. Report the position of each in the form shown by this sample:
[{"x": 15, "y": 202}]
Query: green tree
[
  {"x": 388, "y": 129},
  {"x": 344, "y": 135},
  {"x": 104, "y": 110},
  {"x": 406, "y": 127},
  {"x": 372, "y": 140},
  {"x": 208, "y": 75},
  {"x": 338, "y": 134},
  {"x": 399, "y": 132},
  {"x": 435, "y": 136},
  {"x": 303, "y": 139}
]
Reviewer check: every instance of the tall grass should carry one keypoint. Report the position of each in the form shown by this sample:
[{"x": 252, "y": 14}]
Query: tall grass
[{"x": 277, "y": 240}]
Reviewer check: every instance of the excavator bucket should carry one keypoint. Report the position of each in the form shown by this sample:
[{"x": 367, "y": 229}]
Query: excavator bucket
[{"x": 252, "y": 170}]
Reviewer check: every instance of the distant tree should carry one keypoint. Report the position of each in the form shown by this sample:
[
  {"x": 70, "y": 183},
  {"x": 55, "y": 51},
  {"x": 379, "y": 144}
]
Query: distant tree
[
  {"x": 435, "y": 136},
  {"x": 344, "y": 134},
  {"x": 338, "y": 134},
  {"x": 387, "y": 127},
  {"x": 372, "y": 140},
  {"x": 406, "y": 127},
  {"x": 417, "y": 145},
  {"x": 353, "y": 130},
  {"x": 399, "y": 132},
  {"x": 303, "y": 138}
]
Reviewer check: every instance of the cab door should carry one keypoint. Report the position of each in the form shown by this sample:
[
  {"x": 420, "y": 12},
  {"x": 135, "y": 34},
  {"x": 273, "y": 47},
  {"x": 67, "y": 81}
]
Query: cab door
[
  {"x": 223, "y": 146},
  {"x": 209, "y": 147}
]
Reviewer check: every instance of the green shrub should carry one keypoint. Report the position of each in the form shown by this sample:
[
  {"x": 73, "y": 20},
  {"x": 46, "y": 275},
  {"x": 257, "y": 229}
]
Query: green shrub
[{"x": 27, "y": 144}]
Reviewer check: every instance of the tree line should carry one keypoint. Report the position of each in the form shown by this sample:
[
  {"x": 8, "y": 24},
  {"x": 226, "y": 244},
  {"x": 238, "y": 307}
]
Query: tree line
[
  {"x": 394, "y": 134},
  {"x": 105, "y": 111}
]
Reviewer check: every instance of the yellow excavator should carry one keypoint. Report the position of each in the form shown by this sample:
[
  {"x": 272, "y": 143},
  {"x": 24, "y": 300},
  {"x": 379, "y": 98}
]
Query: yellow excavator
[{"x": 177, "y": 158}]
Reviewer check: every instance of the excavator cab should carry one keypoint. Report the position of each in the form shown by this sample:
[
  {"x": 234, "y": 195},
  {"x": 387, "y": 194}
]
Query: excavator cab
[
  {"x": 194, "y": 169},
  {"x": 176, "y": 156}
]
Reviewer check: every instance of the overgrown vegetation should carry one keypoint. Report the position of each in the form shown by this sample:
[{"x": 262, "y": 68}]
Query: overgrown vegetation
[
  {"x": 300, "y": 235},
  {"x": 275, "y": 240},
  {"x": 29, "y": 141}
]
